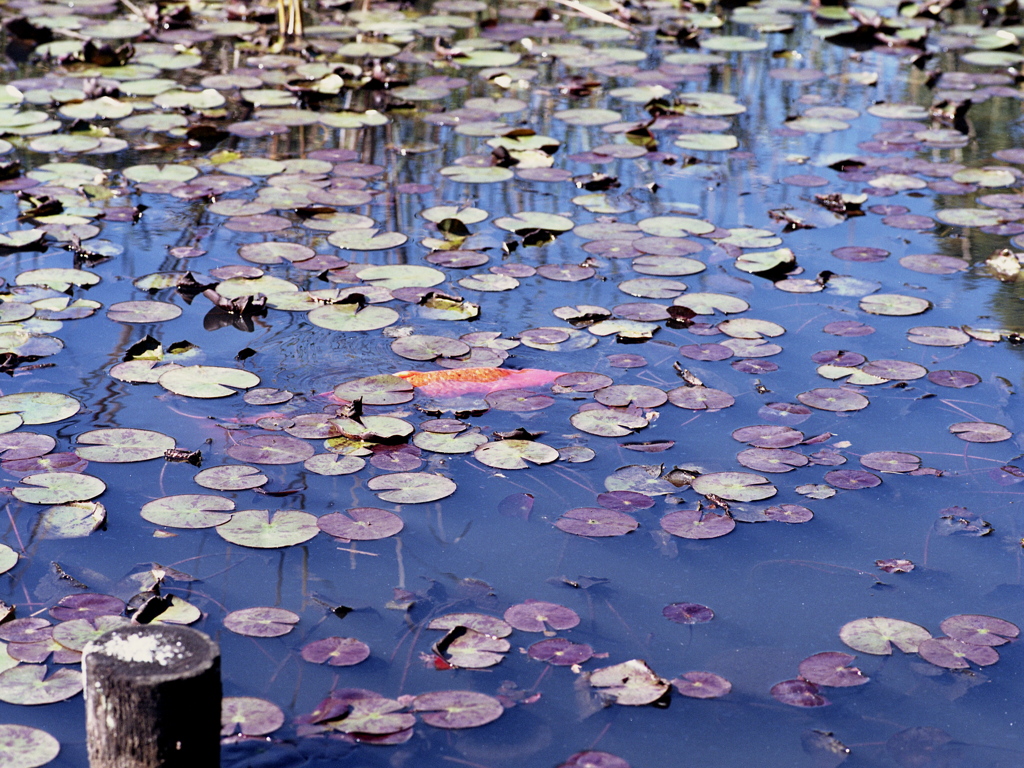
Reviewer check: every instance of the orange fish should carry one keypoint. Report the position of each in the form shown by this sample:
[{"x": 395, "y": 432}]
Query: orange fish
[{"x": 466, "y": 381}]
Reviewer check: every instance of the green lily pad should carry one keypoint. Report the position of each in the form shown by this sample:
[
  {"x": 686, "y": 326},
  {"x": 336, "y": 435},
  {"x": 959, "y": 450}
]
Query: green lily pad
[
  {"x": 350, "y": 318},
  {"x": 631, "y": 683},
  {"x": 207, "y": 381},
  {"x": 515, "y": 454},
  {"x": 411, "y": 487},
  {"x": 70, "y": 521},
  {"x": 877, "y": 635},
  {"x": 255, "y": 528},
  {"x": 8, "y": 558},
  {"x": 58, "y": 488},
  {"x": 120, "y": 446},
  {"x": 57, "y": 278},
  {"x": 734, "y": 486},
  {"x": 231, "y": 477},
  {"x": 191, "y": 510},
  {"x": 27, "y": 684}
]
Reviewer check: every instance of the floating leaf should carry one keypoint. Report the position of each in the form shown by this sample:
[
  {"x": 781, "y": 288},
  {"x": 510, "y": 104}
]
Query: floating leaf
[
  {"x": 261, "y": 622},
  {"x": 25, "y": 747},
  {"x": 832, "y": 669},
  {"x": 191, "y": 510},
  {"x": 231, "y": 477},
  {"x": 515, "y": 454},
  {"x": 207, "y": 381},
  {"x": 596, "y": 521},
  {"x": 122, "y": 445},
  {"x": 955, "y": 654},
  {"x": 560, "y": 652},
  {"x": 734, "y": 486},
  {"x": 827, "y": 399},
  {"x": 8, "y": 558},
  {"x": 798, "y": 693},
  {"x": 255, "y": 528},
  {"x": 336, "y": 651},
  {"x": 39, "y": 407},
  {"x": 980, "y": 432},
  {"x": 249, "y": 716},
  {"x": 411, "y": 487},
  {"x": 979, "y": 630},
  {"x": 27, "y": 684},
  {"x": 631, "y": 683},
  {"x": 457, "y": 709},
  {"x": 697, "y": 524},
  {"x": 877, "y": 635},
  {"x": 361, "y": 524},
  {"x": 537, "y": 616},
  {"x": 58, "y": 488},
  {"x": 688, "y": 613},
  {"x": 702, "y": 685}
]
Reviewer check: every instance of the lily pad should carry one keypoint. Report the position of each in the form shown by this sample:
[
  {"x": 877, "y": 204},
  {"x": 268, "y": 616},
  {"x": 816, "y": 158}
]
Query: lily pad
[
  {"x": 256, "y": 528},
  {"x": 249, "y": 716},
  {"x": 58, "y": 488},
  {"x": 361, "y": 524},
  {"x": 411, "y": 487},
  {"x": 336, "y": 651},
  {"x": 457, "y": 709},
  {"x": 734, "y": 486},
  {"x": 120, "y": 446},
  {"x": 878, "y": 634},
  {"x": 192, "y": 510},
  {"x": 27, "y": 684},
  {"x": 261, "y": 622},
  {"x": 596, "y": 521},
  {"x": 207, "y": 381},
  {"x": 631, "y": 683}
]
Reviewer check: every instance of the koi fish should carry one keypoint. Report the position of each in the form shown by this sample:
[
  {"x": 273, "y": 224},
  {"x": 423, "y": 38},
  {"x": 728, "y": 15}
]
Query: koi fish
[{"x": 455, "y": 382}]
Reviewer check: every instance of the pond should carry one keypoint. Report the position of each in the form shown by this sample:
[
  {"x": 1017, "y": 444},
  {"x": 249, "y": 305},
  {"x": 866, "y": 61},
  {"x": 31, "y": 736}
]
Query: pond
[{"x": 520, "y": 384}]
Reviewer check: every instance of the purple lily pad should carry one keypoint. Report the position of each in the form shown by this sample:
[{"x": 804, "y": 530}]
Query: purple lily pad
[
  {"x": 702, "y": 685},
  {"x": 621, "y": 501},
  {"x": 457, "y": 709},
  {"x": 833, "y": 399},
  {"x": 852, "y": 479},
  {"x": 705, "y": 352},
  {"x": 696, "y": 524},
  {"x": 891, "y": 461},
  {"x": 518, "y": 400},
  {"x": 979, "y": 630},
  {"x": 700, "y": 398},
  {"x": 798, "y": 693},
  {"x": 954, "y": 379},
  {"x": 950, "y": 653},
  {"x": 789, "y": 513},
  {"x": 848, "y": 328},
  {"x": 261, "y": 622},
  {"x": 768, "y": 436},
  {"x": 626, "y": 361},
  {"x": 336, "y": 651},
  {"x": 583, "y": 381},
  {"x": 862, "y": 253},
  {"x": 249, "y": 716},
  {"x": 537, "y": 616},
  {"x": 361, "y": 524},
  {"x": 832, "y": 669},
  {"x": 596, "y": 521},
  {"x": 87, "y": 606},
  {"x": 980, "y": 432},
  {"x": 688, "y": 613},
  {"x": 271, "y": 449},
  {"x": 594, "y": 759},
  {"x": 560, "y": 652},
  {"x": 771, "y": 459}
]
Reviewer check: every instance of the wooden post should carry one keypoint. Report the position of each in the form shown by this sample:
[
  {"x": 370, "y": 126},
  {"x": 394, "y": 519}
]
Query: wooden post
[{"x": 152, "y": 698}]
